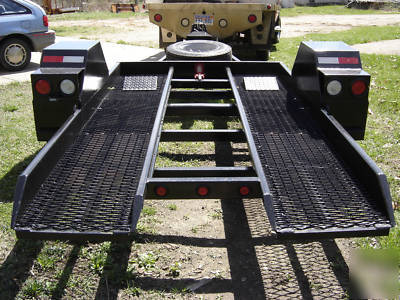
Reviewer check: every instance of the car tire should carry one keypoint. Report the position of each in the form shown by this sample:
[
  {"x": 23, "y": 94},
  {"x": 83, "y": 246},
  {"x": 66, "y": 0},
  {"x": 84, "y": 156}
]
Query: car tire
[
  {"x": 15, "y": 54},
  {"x": 199, "y": 50}
]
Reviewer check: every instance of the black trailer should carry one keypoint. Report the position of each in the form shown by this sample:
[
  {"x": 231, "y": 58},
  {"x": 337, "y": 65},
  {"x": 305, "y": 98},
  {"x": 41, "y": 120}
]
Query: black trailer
[{"x": 103, "y": 130}]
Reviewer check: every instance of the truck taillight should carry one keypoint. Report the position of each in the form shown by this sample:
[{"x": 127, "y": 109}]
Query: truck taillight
[
  {"x": 43, "y": 87},
  {"x": 252, "y": 18},
  {"x": 185, "y": 22},
  {"x": 45, "y": 21},
  {"x": 358, "y": 87},
  {"x": 157, "y": 18}
]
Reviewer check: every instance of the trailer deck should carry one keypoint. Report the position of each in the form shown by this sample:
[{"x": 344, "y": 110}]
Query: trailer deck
[{"x": 96, "y": 171}]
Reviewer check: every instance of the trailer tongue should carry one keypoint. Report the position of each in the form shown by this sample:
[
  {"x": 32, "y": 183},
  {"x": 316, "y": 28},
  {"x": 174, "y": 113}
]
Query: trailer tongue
[{"x": 90, "y": 180}]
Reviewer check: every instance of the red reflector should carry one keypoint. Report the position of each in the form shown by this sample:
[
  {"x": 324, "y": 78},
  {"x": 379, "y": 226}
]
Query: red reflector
[
  {"x": 358, "y": 87},
  {"x": 53, "y": 59},
  {"x": 157, "y": 18},
  {"x": 252, "y": 18},
  {"x": 244, "y": 191},
  {"x": 42, "y": 87},
  {"x": 202, "y": 191},
  {"x": 45, "y": 21},
  {"x": 269, "y": 6},
  {"x": 349, "y": 60},
  {"x": 161, "y": 191}
]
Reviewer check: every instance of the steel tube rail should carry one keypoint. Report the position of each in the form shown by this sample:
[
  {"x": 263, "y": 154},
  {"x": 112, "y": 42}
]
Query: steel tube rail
[
  {"x": 152, "y": 150},
  {"x": 253, "y": 151}
]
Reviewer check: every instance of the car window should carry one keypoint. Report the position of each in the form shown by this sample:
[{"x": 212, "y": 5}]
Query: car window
[{"x": 8, "y": 7}]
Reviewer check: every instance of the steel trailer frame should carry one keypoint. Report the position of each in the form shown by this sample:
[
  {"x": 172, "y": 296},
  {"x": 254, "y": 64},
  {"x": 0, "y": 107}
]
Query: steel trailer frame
[{"x": 220, "y": 182}]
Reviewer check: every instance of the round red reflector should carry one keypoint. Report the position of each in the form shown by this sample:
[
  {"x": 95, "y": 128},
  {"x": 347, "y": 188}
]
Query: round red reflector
[
  {"x": 157, "y": 17},
  {"x": 202, "y": 191},
  {"x": 161, "y": 191},
  {"x": 358, "y": 87},
  {"x": 269, "y": 6},
  {"x": 252, "y": 18},
  {"x": 244, "y": 191},
  {"x": 42, "y": 87}
]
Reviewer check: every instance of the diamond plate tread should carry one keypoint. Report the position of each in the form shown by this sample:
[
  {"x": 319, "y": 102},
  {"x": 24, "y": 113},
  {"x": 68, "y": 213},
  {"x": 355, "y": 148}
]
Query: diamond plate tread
[
  {"x": 93, "y": 186},
  {"x": 312, "y": 188}
]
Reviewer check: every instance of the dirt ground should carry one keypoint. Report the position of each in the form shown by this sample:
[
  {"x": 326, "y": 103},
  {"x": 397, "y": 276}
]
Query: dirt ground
[{"x": 140, "y": 31}]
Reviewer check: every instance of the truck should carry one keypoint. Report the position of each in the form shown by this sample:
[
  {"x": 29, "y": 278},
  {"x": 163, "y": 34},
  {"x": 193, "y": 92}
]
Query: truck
[
  {"x": 248, "y": 26},
  {"x": 103, "y": 129}
]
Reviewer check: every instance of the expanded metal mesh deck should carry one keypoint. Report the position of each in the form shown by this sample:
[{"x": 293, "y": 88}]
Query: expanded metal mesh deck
[
  {"x": 93, "y": 186},
  {"x": 312, "y": 188}
]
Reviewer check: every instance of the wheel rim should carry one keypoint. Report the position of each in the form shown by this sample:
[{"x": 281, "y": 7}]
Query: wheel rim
[{"x": 15, "y": 55}]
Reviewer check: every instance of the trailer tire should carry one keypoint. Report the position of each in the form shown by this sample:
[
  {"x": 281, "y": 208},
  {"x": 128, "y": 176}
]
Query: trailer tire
[{"x": 199, "y": 50}]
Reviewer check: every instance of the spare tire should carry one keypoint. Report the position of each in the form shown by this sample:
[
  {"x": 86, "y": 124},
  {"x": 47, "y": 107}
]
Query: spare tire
[{"x": 199, "y": 50}]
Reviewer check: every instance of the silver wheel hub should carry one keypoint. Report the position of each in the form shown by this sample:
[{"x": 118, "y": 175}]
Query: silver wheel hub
[{"x": 15, "y": 55}]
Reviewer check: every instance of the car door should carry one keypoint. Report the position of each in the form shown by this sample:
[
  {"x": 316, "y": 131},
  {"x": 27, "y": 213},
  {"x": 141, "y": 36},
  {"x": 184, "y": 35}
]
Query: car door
[{"x": 14, "y": 18}]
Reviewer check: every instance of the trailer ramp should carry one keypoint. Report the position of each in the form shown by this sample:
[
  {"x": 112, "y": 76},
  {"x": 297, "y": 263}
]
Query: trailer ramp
[
  {"x": 314, "y": 192},
  {"x": 91, "y": 190}
]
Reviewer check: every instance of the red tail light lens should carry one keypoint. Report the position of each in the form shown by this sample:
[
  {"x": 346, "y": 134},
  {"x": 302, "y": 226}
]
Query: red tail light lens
[
  {"x": 252, "y": 18},
  {"x": 45, "y": 21},
  {"x": 244, "y": 190},
  {"x": 157, "y": 18},
  {"x": 161, "y": 191},
  {"x": 202, "y": 191},
  {"x": 42, "y": 87},
  {"x": 358, "y": 87}
]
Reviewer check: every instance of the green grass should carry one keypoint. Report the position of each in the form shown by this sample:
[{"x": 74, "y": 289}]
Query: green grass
[
  {"x": 83, "y": 31},
  {"x": 286, "y": 49},
  {"x": 97, "y": 15},
  {"x": 330, "y": 10}
]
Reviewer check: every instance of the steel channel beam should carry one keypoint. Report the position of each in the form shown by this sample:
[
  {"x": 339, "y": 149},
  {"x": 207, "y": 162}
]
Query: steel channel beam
[
  {"x": 253, "y": 151},
  {"x": 205, "y": 172},
  {"x": 151, "y": 150},
  {"x": 187, "y": 188},
  {"x": 195, "y": 109},
  {"x": 187, "y": 135},
  {"x": 205, "y": 83},
  {"x": 201, "y": 94}
]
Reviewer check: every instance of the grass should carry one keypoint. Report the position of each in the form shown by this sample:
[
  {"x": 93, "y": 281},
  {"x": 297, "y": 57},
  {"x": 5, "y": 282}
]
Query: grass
[
  {"x": 330, "y": 10},
  {"x": 287, "y": 48},
  {"x": 83, "y": 31}
]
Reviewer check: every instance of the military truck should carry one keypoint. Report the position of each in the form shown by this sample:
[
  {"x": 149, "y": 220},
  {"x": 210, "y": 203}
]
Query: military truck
[{"x": 245, "y": 25}]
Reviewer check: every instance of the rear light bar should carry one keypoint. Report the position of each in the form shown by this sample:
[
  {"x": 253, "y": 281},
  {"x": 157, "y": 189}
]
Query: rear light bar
[{"x": 338, "y": 60}]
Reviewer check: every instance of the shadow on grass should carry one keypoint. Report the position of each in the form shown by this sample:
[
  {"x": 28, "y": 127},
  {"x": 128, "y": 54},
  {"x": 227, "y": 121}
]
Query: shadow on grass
[
  {"x": 16, "y": 268},
  {"x": 115, "y": 274},
  {"x": 9, "y": 180}
]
